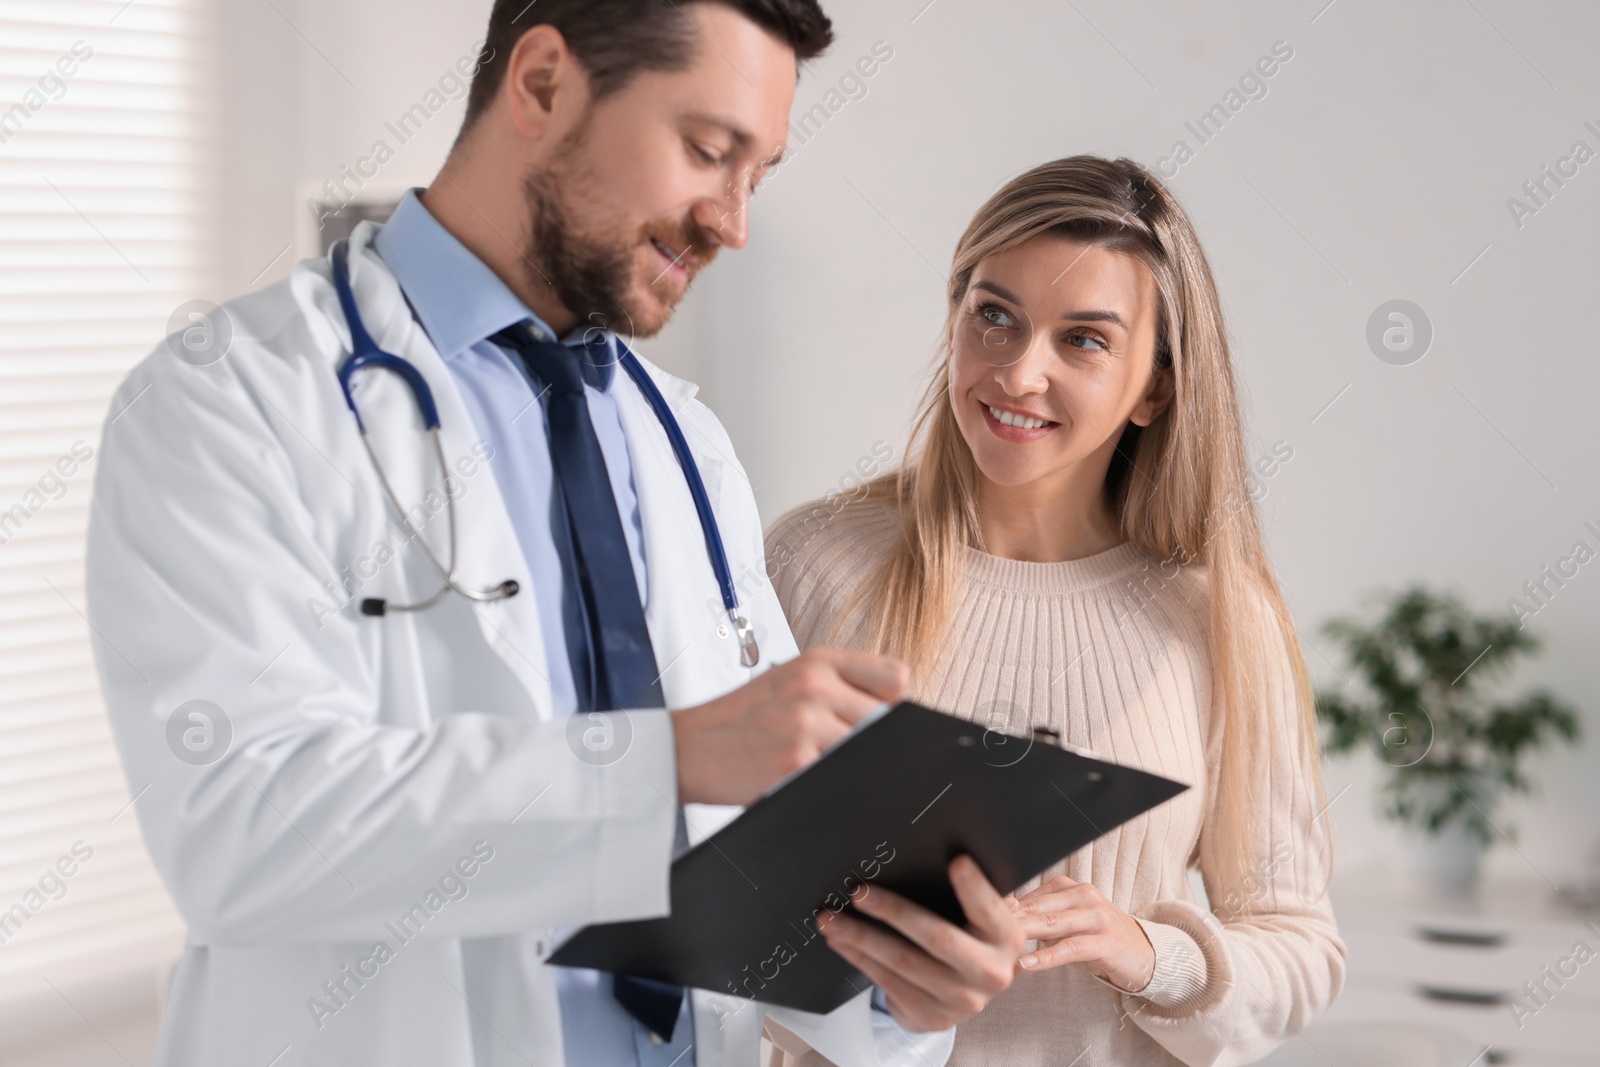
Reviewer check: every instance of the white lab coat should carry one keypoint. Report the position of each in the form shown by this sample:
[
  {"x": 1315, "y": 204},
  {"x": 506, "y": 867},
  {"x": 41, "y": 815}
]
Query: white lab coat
[{"x": 374, "y": 762}]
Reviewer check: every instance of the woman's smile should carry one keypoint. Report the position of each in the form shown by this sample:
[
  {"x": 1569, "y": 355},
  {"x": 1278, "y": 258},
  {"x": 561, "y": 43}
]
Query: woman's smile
[{"x": 1014, "y": 424}]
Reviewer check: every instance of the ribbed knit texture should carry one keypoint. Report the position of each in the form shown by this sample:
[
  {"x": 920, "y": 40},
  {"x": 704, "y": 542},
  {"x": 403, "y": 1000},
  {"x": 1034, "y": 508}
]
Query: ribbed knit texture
[{"x": 1112, "y": 652}]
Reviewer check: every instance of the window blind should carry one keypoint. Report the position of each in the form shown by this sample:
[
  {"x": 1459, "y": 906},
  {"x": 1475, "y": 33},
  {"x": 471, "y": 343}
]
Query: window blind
[{"x": 105, "y": 199}]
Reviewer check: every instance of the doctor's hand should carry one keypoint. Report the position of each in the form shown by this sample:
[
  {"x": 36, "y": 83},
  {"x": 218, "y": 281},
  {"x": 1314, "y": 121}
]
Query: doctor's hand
[
  {"x": 933, "y": 973},
  {"x": 738, "y": 746},
  {"x": 1075, "y": 923}
]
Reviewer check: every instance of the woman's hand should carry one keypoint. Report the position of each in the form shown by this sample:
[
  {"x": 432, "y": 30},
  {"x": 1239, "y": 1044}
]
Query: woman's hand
[{"x": 1075, "y": 923}]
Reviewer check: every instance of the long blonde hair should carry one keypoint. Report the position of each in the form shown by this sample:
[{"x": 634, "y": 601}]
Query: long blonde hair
[{"x": 1178, "y": 487}]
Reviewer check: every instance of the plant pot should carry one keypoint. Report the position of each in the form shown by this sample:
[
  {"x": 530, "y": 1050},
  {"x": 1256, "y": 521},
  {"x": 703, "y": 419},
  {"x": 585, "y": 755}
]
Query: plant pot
[{"x": 1450, "y": 860}]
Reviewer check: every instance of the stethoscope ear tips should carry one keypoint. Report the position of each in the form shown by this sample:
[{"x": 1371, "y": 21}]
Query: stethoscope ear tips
[
  {"x": 373, "y": 606},
  {"x": 510, "y": 588}
]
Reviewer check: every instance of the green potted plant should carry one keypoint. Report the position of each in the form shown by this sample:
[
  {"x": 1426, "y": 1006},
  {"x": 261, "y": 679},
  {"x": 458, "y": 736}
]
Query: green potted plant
[{"x": 1422, "y": 693}]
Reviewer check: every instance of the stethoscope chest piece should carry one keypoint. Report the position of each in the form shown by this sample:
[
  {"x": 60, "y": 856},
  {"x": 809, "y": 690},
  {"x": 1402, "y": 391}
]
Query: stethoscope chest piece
[{"x": 749, "y": 651}]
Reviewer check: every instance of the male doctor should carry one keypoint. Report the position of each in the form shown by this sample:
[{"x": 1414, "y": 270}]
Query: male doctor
[{"x": 377, "y": 825}]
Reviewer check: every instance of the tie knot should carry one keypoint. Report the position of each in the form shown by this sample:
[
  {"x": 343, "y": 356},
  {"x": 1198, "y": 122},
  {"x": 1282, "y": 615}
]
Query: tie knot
[{"x": 559, "y": 366}]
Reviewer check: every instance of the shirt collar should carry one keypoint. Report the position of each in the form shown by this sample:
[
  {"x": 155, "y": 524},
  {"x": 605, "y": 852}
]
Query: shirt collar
[{"x": 456, "y": 297}]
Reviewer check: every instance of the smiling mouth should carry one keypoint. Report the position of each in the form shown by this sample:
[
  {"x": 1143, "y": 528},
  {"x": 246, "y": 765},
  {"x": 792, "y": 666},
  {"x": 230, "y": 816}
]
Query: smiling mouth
[
  {"x": 1016, "y": 420},
  {"x": 678, "y": 263}
]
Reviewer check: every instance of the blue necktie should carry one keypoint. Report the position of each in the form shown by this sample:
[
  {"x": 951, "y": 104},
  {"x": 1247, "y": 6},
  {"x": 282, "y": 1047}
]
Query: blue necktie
[{"x": 616, "y": 667}]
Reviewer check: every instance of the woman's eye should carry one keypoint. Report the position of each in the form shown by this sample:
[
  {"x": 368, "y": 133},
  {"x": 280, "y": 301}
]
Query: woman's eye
[
  {"x": 1087, "y": 342},
  {"x": 703, "y": 156},
  {"x": 996, "y": 316}
]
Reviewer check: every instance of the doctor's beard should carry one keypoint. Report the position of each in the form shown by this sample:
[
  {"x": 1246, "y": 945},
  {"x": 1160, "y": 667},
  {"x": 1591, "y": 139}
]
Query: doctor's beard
[{"x": 593, "y": 274}]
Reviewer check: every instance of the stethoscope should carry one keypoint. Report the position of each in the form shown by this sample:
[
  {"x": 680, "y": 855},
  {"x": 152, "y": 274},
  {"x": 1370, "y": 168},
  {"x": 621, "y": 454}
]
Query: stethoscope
[{"x": 365, "y": 354}]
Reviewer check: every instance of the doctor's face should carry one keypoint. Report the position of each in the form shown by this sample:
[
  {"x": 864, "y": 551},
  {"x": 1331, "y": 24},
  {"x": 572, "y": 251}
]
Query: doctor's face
[
  {"x": 658, "y": 177},
  {"x": 1051, "y": 356}
]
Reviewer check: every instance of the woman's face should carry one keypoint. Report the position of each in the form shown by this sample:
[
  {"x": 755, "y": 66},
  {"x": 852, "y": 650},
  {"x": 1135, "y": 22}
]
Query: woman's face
[{"x": 1052, "y": 355}]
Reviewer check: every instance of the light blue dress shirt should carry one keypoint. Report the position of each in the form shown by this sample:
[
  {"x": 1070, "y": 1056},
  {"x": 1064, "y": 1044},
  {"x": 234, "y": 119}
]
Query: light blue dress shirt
[{"x": 460, "y": 302}]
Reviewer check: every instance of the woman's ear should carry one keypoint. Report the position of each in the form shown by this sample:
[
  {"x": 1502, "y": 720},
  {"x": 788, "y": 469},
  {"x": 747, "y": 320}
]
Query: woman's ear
[{"x": 1156, "y": 398}]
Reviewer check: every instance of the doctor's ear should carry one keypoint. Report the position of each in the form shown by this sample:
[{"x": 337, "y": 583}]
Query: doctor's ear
[{"x": 545, "y": 86}]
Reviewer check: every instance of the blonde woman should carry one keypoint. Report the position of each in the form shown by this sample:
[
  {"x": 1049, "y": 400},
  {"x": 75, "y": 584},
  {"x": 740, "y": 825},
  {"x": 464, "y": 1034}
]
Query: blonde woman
[{"x": 1073, "y": 543}]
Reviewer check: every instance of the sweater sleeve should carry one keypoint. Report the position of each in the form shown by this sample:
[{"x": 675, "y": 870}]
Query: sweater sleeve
[
  {"x": 1232, "y": 983},
  {"x": 817, "y": 555}
]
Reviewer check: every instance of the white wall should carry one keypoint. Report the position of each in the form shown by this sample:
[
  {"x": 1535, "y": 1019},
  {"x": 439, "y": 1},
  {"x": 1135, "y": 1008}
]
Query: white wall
[
  {"x": 1377, "y": 167},
  {"x": 307, "y": 90}
]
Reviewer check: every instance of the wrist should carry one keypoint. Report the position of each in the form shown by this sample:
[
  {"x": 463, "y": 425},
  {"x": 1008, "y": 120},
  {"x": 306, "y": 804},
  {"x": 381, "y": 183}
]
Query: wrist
[
  {"x": 696, "y": 780},
  {"x": 1144, "y": 970},
  {"x": 683, "y": 723},
  {"x": 1181, "y": 974}
]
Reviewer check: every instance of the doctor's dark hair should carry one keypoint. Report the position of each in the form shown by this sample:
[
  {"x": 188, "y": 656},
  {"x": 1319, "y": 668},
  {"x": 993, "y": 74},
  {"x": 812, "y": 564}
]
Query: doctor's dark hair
[{"x": 615, "y": 40}]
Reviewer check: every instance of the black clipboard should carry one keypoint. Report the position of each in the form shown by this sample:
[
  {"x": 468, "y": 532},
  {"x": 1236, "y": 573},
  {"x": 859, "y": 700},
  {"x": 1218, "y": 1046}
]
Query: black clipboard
[{"x": 891, "y": 805}]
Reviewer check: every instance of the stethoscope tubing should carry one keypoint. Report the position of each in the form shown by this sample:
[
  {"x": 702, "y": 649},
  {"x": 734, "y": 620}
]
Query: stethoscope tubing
[{"x": 366, "y": 354}]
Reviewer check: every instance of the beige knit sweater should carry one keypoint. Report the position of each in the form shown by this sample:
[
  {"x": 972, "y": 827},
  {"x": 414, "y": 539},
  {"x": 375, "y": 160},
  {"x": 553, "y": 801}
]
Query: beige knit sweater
[{"x": 1112, "y": 652}]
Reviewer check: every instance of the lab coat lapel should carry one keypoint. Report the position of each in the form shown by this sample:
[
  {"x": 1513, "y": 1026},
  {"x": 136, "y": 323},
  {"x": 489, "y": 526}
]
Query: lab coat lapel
[
  {"x": 684, "y": 610},
  {"x": 487, "y": 549}
]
